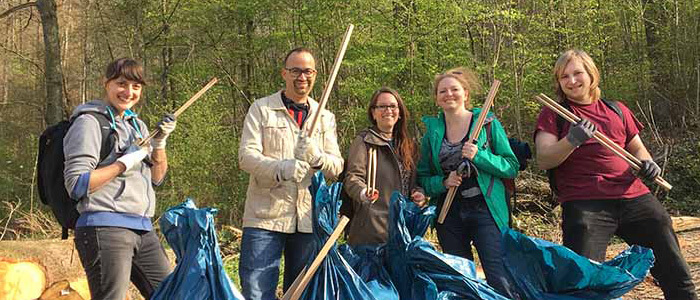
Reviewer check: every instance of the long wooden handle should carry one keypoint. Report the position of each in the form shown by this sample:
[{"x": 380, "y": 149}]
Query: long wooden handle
[
  {"x": 446, "y": 205},
  {"x": 485, "y": 110},
  {"x": 331, "y": 80},
  {"x": 618, "y": 150},
  {"x": 299, "y": 285},
  {"x": 182, "y": 108},
  {"x": 473, "y": 137},
  {"x": 372, "y": 165}
]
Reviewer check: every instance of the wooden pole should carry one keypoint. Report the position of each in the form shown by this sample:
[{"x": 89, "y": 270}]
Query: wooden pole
[
  {"x": 331, "y": 79},
  {"x": 305, "y": 276},
  {"x": 372, "y": 165},
  {"x": 182, "y": 108},
  {"x": 633, "y": 161},
  {"x": 374, "y": 173},
  {"x": 472, "y": 138}
]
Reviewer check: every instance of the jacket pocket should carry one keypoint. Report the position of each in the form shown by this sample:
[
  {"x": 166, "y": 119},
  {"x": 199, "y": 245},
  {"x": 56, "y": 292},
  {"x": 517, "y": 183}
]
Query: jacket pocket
[
  {"x": 275, "y": 133},
  {"x": 274, "y": 202}
]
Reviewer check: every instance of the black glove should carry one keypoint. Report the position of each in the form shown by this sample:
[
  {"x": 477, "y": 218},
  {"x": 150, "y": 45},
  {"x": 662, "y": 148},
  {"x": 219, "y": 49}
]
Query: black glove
[
  {"x": 580, "y": 132},
  {"x": 648, "y": 170}
]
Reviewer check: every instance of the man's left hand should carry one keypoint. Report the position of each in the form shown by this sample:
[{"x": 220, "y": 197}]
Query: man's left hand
[
  {"x": 648, "y": 170},
  {"x": 308, "y": 152}
]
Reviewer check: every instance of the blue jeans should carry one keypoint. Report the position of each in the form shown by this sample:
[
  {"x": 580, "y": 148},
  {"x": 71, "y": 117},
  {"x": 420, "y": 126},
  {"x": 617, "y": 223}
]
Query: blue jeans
[
  {"x": 261, "y": 251},
  {"x": 113, "y": 256},
  {"x": 470, "y": 221},
  {"x": 588, "y": 226}
]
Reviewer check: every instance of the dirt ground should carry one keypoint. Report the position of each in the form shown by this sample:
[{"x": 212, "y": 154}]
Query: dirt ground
[{"x": 63, "y": 263}]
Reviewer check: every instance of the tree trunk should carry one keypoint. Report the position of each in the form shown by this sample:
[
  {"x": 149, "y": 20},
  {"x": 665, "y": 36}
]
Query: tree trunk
[{"x": 53, "y": 75}]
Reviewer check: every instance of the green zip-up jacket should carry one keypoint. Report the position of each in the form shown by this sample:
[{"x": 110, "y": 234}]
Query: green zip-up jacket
[{"x": 492, "y": 166}]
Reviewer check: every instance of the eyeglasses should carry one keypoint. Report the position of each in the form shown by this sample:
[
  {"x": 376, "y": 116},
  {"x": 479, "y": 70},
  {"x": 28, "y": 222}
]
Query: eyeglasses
[
  {"x": 391, "y": 107},
  {"x": 296, "y": 72}
]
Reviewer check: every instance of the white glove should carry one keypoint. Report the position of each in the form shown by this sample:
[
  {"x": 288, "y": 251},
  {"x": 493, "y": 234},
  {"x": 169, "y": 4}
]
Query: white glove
[
  {"x": 292, "y": 169},
  {"x": 165, "y": 126},
  {"x": 373, "y": 196},
  {"x": 308, "y": 152},
  {"x": 132, "y": 159}
]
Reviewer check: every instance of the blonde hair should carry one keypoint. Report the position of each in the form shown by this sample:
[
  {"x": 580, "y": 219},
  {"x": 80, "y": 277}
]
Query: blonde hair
[
  {"x": 465, "y": 77},
  {"x": 587, "y": 63}
]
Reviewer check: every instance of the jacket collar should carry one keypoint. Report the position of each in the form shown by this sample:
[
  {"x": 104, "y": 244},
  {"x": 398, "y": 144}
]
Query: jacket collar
[
  {"x": 279, "y": 104},
  {"x": 374, "y": 137}
]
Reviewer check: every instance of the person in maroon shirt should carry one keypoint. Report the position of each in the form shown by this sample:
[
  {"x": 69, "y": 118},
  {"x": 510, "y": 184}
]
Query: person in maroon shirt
[{"x": 600, "y": 194}]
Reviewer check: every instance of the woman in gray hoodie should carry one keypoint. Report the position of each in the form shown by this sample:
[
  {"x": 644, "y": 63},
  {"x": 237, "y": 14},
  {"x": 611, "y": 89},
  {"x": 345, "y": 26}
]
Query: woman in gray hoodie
[{"x": 114, "y": 234}]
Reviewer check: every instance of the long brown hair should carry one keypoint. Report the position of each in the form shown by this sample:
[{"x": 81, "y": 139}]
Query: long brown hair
[{"x": 405, "y": 145}]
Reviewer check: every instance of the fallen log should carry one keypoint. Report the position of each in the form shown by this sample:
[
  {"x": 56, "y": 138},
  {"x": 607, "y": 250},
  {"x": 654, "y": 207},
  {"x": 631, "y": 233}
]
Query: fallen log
[
  {"x": 685, "y": 223},
  {"x": 21, "y": 279}
]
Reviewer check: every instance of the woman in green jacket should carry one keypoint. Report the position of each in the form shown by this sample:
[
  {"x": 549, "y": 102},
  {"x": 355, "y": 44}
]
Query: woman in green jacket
[{"x": 479, "y": 211}]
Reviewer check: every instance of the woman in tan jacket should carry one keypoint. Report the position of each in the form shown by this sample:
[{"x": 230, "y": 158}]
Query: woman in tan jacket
[{"x": 396, "y": 157}]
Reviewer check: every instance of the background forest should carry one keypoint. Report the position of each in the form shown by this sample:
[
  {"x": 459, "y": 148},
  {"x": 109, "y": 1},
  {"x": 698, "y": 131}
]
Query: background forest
[{"x": 648, "y": 52}]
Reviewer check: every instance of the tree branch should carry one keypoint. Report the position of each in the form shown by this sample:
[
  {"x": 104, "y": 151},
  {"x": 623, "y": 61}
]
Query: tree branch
[
  {"x": 16, "y": 8},
  {"x": 27, "y": 59}
]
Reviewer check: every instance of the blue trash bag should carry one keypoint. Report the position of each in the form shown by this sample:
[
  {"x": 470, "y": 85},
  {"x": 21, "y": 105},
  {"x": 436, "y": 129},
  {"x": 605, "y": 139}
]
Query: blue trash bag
[
  {"x": 368, "y": 263},
  {"x": 544, "y": 270},
  {"x": 417, "y": 269},
  {"x": 334, "y": 279},
  {"x": 199, "y": 273}
]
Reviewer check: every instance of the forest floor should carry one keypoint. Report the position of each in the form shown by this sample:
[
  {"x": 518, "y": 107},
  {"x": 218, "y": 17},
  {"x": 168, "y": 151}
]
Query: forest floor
[{"x": 62, "y": 262}]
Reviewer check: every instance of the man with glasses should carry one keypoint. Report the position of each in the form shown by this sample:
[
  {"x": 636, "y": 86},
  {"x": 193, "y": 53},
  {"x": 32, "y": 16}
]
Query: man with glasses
[{"x": 280, "y": 161}]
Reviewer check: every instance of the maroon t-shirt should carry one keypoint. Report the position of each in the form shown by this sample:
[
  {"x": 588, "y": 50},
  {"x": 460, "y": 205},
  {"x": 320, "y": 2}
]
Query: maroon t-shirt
[{"x": 592, "y": 172}]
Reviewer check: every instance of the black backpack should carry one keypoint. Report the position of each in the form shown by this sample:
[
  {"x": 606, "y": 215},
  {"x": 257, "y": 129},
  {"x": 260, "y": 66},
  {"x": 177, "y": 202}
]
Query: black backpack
[
  {"x": 614, "y": 105},
  {"x": 50, "y": 164}
]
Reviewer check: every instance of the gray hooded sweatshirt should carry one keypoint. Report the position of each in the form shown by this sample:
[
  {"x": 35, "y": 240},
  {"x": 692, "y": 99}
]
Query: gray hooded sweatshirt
[{"x": 130, "y": 192}]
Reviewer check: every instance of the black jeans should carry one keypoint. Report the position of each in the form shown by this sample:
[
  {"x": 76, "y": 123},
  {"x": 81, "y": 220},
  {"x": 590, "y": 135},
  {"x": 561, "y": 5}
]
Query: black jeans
[
  {"x": 588, "y": 226},
  {"x": 470, "y": 221},
  {"x": 113, "y": 256}
]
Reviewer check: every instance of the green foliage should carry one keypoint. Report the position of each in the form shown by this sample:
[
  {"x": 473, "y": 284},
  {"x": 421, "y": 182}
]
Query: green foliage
[{"x": 684, "y": 174}]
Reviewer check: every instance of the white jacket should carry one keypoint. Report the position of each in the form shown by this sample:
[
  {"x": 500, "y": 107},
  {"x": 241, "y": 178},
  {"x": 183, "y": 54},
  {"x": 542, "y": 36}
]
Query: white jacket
[{"x": 269, "y": 137}]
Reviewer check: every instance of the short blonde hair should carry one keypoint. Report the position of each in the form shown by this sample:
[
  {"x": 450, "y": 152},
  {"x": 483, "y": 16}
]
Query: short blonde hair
[
  {"x": 588, "y": 64},
  {"x": 466, "y": 78}
]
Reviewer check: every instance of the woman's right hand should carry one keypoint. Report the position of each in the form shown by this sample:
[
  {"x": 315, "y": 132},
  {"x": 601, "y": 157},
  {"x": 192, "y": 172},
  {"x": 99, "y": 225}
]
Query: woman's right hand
[
  {"x": 453, "y": 180},
  {"x": 369, "y": 195}
]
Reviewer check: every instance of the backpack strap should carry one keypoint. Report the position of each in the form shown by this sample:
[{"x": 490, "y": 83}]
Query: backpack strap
[
  {"x": 109, "y": 138},
  {"x": 615, "y": 106}
]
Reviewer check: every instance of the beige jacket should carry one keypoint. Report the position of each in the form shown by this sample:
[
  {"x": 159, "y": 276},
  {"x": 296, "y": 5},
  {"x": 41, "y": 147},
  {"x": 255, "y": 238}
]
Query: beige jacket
[{"x": 269, "y": 137}]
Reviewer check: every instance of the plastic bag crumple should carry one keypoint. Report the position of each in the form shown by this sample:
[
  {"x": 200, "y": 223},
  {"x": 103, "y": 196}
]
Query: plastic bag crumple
[
  {"x": 334, "y": 278},
  {"x": 199, "y": 273},
  {"x": 544, "y": 270}
]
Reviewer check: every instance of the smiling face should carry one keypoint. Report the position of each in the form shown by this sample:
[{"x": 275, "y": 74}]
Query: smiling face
[
  {"x": 575, "y": 82},
  {"x": 298, "y": 86},
  {"x": 451, "y": 95},
  {"x": 386, "y": 112},
  {"x": 122, "y": 93}
]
